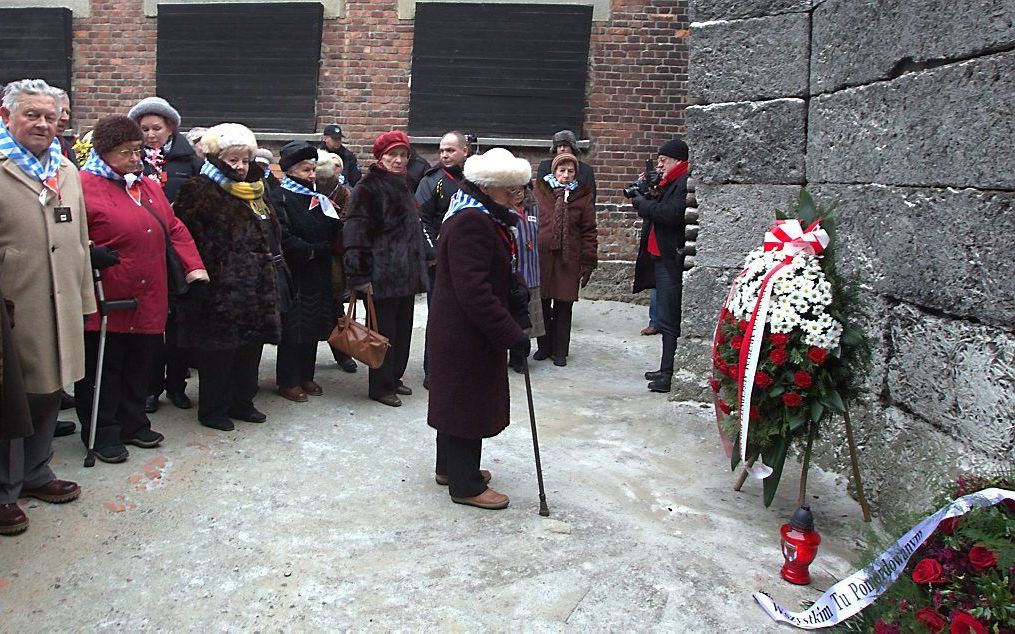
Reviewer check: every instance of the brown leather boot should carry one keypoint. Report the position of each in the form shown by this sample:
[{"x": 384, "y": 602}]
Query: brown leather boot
[
  {"x": 13, "y": 520},
  {"x": 488, "y": 499}
]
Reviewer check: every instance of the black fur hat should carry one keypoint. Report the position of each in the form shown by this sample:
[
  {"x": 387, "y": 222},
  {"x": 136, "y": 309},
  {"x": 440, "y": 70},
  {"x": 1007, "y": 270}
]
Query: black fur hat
[{"x": 295, "y": 152}]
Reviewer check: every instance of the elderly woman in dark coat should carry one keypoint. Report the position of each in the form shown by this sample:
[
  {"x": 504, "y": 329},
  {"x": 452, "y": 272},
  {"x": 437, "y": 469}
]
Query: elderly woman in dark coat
[
  {"x": 309, "y": 226},
  {"x": 384, "y": 254},
  {"x": 237, "y": 235},
  {"x": 471, "y": 326},
  {"x": 170, "y": 160},
  {"x": 567, "y": 251}
]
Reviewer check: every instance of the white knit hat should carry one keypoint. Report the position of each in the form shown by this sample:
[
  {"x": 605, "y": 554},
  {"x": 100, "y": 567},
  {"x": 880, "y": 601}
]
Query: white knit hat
[
  {"x": 497, "y": 168},
  {"x": 223, "y": 136},
  {"x": 155, "y": 105}
]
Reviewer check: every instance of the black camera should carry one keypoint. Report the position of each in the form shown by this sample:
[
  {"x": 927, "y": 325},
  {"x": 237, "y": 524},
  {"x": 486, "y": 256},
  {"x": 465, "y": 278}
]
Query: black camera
[{"x": 645, "y": 184}]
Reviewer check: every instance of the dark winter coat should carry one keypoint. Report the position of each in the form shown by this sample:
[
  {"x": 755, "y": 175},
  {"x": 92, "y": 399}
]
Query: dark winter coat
[
  {"x": 415, "y": 169},
  {"x": 469, "y": 329},
  {"x": 560, "y": 267},
  {"x": 666, "y": 214},
  {"x": 586, "y": 175},
  {"x": 307, "y": 239},
  {"x": 117, "y": 222},
  {"x": 181, "y": 164},
  {"x": 433, "y": 195},
  {"x": 241, "y": 306},
  {"x": 383, "y": 237}
]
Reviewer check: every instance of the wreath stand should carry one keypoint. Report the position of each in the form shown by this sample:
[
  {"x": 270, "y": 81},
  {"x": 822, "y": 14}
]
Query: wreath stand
[{"x": 854, "y": 463}]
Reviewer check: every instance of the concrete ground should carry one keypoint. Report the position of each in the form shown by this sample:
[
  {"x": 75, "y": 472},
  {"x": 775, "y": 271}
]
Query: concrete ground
[{"x": 327, "y": 516}]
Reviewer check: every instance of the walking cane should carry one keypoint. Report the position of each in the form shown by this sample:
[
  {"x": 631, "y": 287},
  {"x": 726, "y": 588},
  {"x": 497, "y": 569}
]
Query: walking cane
[
  {"x": 104, "y": 308},
  {"x": 543, "y": 509}
]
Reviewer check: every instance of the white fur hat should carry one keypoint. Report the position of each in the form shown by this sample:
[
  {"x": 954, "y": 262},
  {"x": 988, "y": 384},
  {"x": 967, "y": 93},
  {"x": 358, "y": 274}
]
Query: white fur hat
[
  {"x": 328, "y": 164},
  {"x": 497, "y": 168},
  {"x": 226, "y": 135}
]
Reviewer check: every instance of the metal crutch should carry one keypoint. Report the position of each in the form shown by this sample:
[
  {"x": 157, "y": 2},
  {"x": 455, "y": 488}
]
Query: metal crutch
[
  {"x": 543, "y": 509},
  {"x": 104, "y": 308}
]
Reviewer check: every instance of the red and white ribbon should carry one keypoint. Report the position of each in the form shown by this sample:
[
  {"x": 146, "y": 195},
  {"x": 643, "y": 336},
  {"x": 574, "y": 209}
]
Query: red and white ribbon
[{"x": 791, "y": 238}]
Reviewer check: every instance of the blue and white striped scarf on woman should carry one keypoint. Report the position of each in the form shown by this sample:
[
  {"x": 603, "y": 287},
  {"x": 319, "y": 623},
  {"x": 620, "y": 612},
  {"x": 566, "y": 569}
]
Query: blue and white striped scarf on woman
[
  {"x": 215, "y": 174},
  {"x": 27, "y": 161},
  {"x": 552, "y": 181},
  {"x": 95, "y": 165},
  {"x": 326, "y": 205}
]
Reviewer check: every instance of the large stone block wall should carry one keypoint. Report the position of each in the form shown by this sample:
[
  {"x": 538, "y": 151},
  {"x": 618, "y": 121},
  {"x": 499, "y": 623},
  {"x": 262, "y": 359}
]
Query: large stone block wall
[{"x": 900, "y": 113}]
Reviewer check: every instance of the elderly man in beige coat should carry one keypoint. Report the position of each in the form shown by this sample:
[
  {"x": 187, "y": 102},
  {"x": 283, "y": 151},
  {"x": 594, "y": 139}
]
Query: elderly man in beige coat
[{"x": 45, "y": 272}]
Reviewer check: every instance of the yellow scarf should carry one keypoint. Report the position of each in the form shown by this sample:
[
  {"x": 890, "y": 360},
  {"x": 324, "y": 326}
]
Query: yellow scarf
[{"x": 252, "y": 194}]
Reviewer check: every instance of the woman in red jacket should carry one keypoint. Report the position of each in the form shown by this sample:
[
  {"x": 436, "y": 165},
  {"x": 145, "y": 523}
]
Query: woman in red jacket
[{"x": 130, "y": 216}]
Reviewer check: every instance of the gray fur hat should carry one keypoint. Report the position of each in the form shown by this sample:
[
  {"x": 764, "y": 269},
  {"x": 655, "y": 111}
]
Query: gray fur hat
[
  {"x": 565, "y": 137},
  {"x": 155, "y": 105}
]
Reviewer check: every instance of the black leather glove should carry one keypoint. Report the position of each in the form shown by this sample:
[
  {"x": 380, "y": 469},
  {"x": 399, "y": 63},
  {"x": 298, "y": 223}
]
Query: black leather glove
[
  {"x": 518, "y": 303},
  {"x": 197, "y": 292},
  {"x": 103, "y": 257}
]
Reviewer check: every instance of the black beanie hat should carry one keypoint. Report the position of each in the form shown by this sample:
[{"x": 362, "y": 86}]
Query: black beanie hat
[
  {"x": 674, "y": 149},
  {"x": 113, "y": 130},
  {"x": 295, "y": 152}
]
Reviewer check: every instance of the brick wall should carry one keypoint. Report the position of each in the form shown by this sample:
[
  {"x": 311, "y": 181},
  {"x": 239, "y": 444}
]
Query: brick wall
[{"x": 635, "y": 92}]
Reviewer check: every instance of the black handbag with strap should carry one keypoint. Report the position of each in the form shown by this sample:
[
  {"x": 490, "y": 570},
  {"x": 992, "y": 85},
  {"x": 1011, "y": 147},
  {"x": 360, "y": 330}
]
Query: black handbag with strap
[{"x": 176, "y": 276}]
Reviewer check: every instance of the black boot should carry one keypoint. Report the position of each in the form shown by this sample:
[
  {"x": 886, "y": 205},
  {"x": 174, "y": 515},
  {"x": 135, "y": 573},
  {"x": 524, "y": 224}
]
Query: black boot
[
  {"x": 661, "y": 384},
  {"x": 661, "y": 379},
  {"x": 654, "y": 375}
]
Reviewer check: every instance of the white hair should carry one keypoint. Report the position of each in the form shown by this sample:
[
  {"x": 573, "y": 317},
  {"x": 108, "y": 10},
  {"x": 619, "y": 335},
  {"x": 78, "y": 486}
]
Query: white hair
[{"x": 14, "y": 91}]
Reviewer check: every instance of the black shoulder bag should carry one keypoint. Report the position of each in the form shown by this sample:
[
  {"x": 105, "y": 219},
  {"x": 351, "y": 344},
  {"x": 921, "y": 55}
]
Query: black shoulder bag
[{"x": 175, "y": 274}]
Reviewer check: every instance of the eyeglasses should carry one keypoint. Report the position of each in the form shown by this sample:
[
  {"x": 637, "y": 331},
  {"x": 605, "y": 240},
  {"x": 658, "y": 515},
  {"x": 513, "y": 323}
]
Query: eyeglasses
[{"x": 131, "y": 152}]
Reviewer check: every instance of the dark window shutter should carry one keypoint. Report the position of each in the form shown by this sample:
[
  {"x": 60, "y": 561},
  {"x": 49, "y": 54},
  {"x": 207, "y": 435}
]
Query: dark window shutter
[
  {"x": 499, "y": 69},
  {"x": 248, "y": 63},
  {"x": 36, "y": 44}
]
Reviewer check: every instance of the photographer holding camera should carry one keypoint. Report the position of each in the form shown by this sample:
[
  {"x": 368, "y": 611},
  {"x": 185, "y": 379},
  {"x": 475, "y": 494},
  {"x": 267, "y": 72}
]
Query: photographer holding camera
[{"x": 660, "y": 198}]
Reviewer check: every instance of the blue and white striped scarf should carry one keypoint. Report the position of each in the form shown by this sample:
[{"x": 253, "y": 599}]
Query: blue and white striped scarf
[
  {"x": 27, "y": 161},
  {"x": 326, "y": 205},
  {"x": 95, "y": 165},
  {"x": 461, "y": 201},
  {"x": 216, "y": 174},
  {"x": 552, "y": 181}
]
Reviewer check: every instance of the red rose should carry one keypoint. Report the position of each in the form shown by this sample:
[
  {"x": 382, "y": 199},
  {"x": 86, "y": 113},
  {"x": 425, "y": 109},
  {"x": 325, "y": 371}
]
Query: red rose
[
  {"x": 724, "y": 407},
  {"x": 742, "y": 326},
  {"x": 948, "y": 526},
  {"x": 931, "y": 619},
  {"x": 714, "y": 384},
  {"x": 817, "y": 355},
  {"x": 981, "y": 558},
  {"x": 736, "y": 342},
  {"x": 720, "y": 338},
  {"x": 803, "y": 379},
  {"x": 778, "y": 356},
  {"x": 886, "y": 628},
  {"x": 762, "y": 379},
  {"x": 965, "y": 623},
  {"x": 792, "y": 399},
  {"x": 734, "y": 372},
  {"x": 779, "y": 340},
  {"x": 928, "y": 571}
]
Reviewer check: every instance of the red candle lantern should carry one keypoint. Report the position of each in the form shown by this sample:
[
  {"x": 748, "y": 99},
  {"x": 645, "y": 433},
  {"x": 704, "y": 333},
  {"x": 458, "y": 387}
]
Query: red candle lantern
[{"x": 799, "y": 546}]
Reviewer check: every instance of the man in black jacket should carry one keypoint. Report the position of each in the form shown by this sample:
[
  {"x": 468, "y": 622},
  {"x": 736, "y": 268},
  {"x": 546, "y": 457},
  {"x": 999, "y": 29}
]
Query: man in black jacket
[
  {"x": 331, "y": 140},
  {"x": 660, "y": 262},
  {"x": 433, "y": 195}
]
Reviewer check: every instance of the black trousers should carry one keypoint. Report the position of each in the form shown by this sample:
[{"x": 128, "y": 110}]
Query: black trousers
[
  {"x": 126, "y": 365},
  {"x": 557, "y": 320},
  {"x": 394, "y": 321},
  {"x": 169, "y": 370},
  {"x": 228, "y": 380},
  {"x": 431, "y": 272},
  {"x": 24, "y": 462},
  {"x": 458, "y": 458},
  {"x": 295, "y": 363},
  {"x": 668, "y": 291}
]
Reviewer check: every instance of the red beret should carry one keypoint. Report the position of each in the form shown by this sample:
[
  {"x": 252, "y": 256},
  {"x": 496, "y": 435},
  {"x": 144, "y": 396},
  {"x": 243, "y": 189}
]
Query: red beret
[{"x": 388, "y": 141}]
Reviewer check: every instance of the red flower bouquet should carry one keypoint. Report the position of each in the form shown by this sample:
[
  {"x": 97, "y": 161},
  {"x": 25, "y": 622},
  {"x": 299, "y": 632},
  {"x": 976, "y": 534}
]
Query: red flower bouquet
[
  {"x": 785, "y": 347},
  {"x": 960, "y": 581}
]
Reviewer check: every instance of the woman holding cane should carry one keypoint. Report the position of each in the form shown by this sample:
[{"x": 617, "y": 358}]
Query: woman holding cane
[
  {"x": 471, "y": 325},
  {"x": 126, "y": 214}
]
